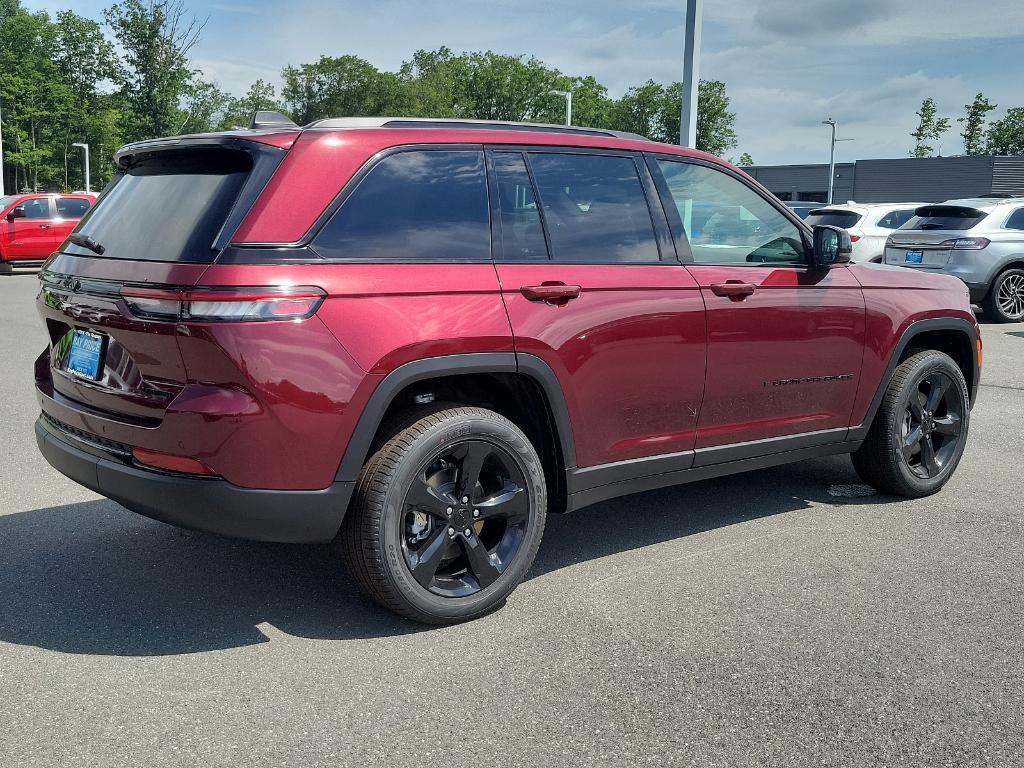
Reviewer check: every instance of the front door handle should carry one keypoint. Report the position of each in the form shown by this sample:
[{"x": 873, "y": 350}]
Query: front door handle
[
  {"x": 552, "y": 293},
  {"x": 44, "y": 226},
  {"x": 734, "y": 289}
]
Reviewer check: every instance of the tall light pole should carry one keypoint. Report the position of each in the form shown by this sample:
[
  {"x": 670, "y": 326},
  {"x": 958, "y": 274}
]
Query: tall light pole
[
  {"x": 691, "y": 74},
  {"x": 831, "y": 157},
  {"x": 2, "y": 154},
  {"x": 567, "y": 95},
  {"x": 85, "y": 151}
]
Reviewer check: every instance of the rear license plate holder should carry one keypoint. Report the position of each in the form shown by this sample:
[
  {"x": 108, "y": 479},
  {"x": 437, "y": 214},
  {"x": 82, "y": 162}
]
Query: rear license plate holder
[
  {"x": 85, "y": 356},
  {"x": 914, "y": 257}
]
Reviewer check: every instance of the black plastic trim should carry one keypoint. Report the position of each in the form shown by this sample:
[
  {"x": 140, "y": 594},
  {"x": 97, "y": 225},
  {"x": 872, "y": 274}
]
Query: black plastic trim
[
  {"x": 914, "y": 329},
  {"x": 720, "y": 454},
  {"x": 650, "y": 482},
  {"x": 203, "y": 504},
  {"x": 432, "y": 367}
]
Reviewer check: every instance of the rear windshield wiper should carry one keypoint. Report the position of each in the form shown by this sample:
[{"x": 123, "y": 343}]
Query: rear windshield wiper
[{"x": 87, "y": 242}]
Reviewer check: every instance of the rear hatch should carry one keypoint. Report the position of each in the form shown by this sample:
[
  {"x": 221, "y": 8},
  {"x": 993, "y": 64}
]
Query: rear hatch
[
  {"x": 928, "y": 239},
  {"x": 155, "y": 230}
]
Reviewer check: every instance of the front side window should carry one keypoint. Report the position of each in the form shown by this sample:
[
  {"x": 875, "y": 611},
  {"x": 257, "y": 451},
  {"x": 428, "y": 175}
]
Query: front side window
[
  {"x": 72, "y": 207},
  {"x": 522, "y": 234},
  {"x": 414, "y": 205},
  {"x": 896, "y": 219},
  {"x": 37, "y": 208},
  {"x": 594, "y": 207},
  {"x": 727, "y": 222}
]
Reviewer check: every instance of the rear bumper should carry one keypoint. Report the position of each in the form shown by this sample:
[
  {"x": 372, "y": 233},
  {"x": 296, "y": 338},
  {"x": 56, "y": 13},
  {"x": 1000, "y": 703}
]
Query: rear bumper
[
  {"x": 203, "y": 504},
  {"x": 978, "y": 291}
]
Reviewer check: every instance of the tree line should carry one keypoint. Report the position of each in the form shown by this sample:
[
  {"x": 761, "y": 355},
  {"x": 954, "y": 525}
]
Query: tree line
[
  {"x": 129, "y": 76},
  {"x": 1001, "y": 137}
]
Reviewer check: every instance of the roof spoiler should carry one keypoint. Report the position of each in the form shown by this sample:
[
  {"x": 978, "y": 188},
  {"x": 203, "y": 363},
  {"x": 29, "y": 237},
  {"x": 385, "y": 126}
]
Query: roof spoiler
[{"x": 270, "y": 119}]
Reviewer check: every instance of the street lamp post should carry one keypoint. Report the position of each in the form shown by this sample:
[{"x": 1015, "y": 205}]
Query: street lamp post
[
  {"x": 567, "y": 95},
  {"x": 2, "y": 154},
  {"x": 691, "y": 74},
  {"x": 85, "y": 151},
  {"x": 831, "y": 157}
]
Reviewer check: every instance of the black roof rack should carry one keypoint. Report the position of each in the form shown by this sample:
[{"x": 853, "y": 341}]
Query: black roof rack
[{"x": 454, "y": 123}]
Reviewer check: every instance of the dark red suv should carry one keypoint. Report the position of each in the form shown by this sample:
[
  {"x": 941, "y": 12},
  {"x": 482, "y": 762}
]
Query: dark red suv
[{"x": 420, "y": 337}]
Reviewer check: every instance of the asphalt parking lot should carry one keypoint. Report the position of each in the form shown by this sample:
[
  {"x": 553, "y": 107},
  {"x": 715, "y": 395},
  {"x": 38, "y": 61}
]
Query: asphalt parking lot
[{"x": 753, "y": 620}]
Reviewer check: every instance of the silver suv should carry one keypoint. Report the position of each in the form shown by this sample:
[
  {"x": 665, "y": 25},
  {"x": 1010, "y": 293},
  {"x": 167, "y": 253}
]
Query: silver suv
[{"x": 979, "y": 240}]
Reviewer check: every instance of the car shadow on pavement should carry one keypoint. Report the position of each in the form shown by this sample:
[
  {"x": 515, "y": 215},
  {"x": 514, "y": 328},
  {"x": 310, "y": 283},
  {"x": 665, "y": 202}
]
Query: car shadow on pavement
[{"x": 93, "y": 578}]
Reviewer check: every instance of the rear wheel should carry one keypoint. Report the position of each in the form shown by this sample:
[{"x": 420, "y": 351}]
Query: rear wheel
[
  {"x": 1005, "y": 300},
  {"x": 447, "y": 516},
  {"x": 919, "y": 432}
]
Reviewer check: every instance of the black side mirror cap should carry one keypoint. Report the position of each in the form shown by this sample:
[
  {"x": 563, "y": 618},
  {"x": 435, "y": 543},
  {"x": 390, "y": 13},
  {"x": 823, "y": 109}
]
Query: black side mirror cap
[
  {"x": 17, "y": 212},
  {"x": 832, "y": 246}
]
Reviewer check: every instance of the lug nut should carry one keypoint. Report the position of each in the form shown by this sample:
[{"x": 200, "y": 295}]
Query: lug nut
[
  {"x": 451, "y": 531},
  {"x": 468, "y": 531},
  {"x": 465, "y": 499},
  {"x": 476, "y": 513},
  {"x": 448, "y": 511}
]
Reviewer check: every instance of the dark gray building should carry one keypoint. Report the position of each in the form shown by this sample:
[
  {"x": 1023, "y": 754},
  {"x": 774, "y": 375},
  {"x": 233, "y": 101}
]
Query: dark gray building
[{"x": 928, "y": 179}]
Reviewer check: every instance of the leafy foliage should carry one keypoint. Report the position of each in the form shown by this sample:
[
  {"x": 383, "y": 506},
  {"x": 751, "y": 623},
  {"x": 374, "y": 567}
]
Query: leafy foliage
[
  {"x": 930, "y": 128},
  {"x": 974, "y": 124},
  {"x": 1006, "y": 136}
]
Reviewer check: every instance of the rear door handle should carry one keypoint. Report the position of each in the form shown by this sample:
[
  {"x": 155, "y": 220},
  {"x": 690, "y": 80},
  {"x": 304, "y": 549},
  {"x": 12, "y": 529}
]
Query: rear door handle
[
  {"x": 44, "y": 226},
  {"x": 734, "y": 289},
  {"x": 553, "y": 293}
]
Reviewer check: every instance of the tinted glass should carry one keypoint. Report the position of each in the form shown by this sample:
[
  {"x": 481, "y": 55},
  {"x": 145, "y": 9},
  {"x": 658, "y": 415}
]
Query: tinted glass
[
  {"x": 422, "y": 204},
  {"x": 1016, "y": 220},
  {"x": 594, "y": 207},
  {"x": 801, "y": 210},
  {"x": 72, "y": 207},
  {"x": 522, "y": 236},
  {"x": 169, "y": 206},
  {"x": 844, "y": 219},
  {"x": 944, "y": 217},
  {"x": 728, "y": 222},
  {"x": 37, "y": 208},
  {"x": 5, "y": 201},
  {"x": 896, "y": 219}
]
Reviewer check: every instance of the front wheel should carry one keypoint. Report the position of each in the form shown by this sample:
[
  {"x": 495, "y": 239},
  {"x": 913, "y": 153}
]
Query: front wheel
[
  {"x": 1005, "y": 300},
  {"x": 919, "y": 432},
  {"x": 447, "y": 516}
]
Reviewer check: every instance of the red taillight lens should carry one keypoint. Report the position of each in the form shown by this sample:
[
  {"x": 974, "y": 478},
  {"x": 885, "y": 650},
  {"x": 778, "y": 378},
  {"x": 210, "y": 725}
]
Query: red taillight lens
[
  {"x": 224, "y": 304},
  {"x": 169, "y": 462},
  {"x": 854, "y": 238},
  {"x": 966, "y": 243}
]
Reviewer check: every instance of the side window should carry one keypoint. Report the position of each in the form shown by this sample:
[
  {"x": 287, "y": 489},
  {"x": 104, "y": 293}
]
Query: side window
[
  {"x": 522, "y": 235},
  {"x": 1016, "y": 220},
  {"x": 594, "y": 207},
  {"x": 37, "y": 208},
  {"x": 72, "y": 207},
  {"x": 726, "y": 221},
  {"x": 895, "y": 219},
  {"x": 419, "y": 204}
]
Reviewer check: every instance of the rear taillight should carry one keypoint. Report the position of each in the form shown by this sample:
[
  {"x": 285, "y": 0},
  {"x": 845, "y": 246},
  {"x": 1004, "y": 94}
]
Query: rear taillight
[
  {"x": 854, "y": 238},
  {"x": 222, "y": 304},
  {"x": 966, "y": 243}
]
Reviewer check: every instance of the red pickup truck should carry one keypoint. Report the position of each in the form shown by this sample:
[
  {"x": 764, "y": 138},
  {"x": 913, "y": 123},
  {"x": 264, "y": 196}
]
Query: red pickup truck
[{"x": 32, "y": 226}]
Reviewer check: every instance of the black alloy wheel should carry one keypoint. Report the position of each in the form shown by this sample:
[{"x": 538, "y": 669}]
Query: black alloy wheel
[
  {"x": 932, "y": 425},
  {"x": 465, "y": 518}
]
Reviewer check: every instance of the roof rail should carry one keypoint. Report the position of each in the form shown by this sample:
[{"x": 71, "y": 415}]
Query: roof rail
[{"x": 455, "y": 123}]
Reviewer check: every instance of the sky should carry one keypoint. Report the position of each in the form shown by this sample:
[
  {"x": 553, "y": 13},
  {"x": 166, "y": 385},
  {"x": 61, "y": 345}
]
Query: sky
[{"x": 787, "y": 64}]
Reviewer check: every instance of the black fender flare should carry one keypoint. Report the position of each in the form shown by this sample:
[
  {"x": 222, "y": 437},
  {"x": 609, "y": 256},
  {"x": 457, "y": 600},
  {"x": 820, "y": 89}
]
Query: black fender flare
[
  {"x": 358, "y": 448},
  {"x": 915, "y": 329}
]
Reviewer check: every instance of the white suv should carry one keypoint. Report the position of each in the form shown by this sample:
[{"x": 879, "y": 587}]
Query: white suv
[{"x": 869, "y": 224}]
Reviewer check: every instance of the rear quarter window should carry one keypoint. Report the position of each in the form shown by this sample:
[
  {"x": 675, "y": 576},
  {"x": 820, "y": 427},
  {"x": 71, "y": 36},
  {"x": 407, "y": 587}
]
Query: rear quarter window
[
  {"x": 414, "y": 205},
  {"x": 1016, "y": 220},
  {"x": 949, "y": 217}
]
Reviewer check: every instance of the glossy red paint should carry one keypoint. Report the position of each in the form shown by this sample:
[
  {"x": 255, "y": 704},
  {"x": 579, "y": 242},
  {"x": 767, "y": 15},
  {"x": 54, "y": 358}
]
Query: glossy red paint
[
  {"x": 798, "y": 323},
  {"x": 34, "y": 239}
]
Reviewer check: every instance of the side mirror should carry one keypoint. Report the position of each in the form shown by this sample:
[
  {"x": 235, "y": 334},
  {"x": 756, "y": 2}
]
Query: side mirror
[
  {"x": 831, "y": 246},
  {"x": 17, "y": 212}
]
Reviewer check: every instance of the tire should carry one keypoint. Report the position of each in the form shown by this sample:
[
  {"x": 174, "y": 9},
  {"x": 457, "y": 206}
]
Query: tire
[
  {"x": 1004, "y": 302},
  {"x": 914, "y": 444},
  {"x": 412, "y": 544}
]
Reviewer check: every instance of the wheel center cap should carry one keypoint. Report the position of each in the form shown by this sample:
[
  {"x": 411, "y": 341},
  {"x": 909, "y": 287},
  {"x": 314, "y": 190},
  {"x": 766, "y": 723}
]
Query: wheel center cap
[{"x": 462, "y": 517}]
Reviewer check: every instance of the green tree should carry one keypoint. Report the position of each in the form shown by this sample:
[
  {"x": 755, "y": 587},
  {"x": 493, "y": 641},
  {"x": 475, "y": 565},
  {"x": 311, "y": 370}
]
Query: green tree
[
  {"x": 342, "y": 86},
  {"x": 239, "y": 111},
  {"x": 974, "y": 124},
  {"x": 1006, "y": 136},
  {"x": 929, "y": 129},
  {"x": 155, "y": 37},
  {"x": 746, "y": 160}
]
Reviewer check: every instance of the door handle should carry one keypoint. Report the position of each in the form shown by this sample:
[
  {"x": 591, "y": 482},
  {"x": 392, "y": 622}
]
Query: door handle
[
  {"x": 44, "y": 226},
  {"x": 734, "y": 289},
  {"x": 552, "y": 293}
]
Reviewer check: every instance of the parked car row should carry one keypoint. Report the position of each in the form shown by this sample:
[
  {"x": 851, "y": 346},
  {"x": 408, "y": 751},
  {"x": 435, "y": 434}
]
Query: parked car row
[
  {"x": 32, "y": 226},
  {"x": 979, "y": 240}
]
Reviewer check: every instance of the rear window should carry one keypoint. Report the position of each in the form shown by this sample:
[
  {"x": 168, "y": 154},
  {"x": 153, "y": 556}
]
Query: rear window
[
  {"x": 944, "y": 217},
  {"x": 830, "y": 218},
  {"x": 168, "y": 206}
]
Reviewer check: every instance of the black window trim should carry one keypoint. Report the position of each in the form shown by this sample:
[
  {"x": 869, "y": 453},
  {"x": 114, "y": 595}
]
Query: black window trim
[
  {"x": 662, "y": 233},
  {"x": 494, "y": 208},
  {"x": 676, "y": 224}
]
